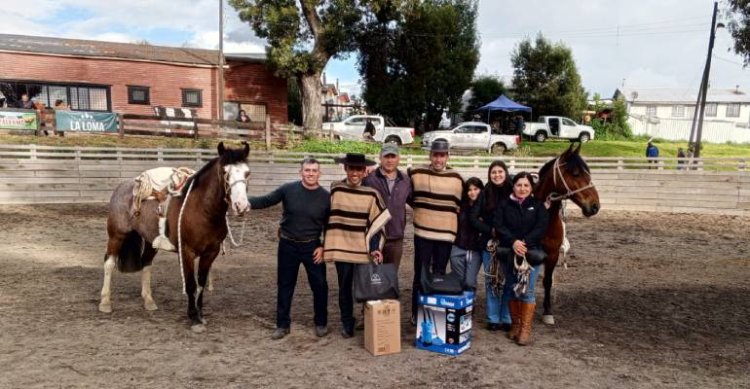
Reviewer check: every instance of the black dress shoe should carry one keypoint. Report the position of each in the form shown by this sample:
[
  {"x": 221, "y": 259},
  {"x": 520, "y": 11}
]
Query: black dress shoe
[
  {"x": 321, "y": 331},
  {"x": 346, "y": 334},
  {"x": 505, "y": 327},
  {"x": 280, "y": 333},
  {"x": 493, "y": 326}
]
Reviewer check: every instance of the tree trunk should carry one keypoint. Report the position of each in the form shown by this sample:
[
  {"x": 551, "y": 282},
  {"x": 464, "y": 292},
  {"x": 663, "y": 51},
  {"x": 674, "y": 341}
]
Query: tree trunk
[{"x": 312, "y": 111}]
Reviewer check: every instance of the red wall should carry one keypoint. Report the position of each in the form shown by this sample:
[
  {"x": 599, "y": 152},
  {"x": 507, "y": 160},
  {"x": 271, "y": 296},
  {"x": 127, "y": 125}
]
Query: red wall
[{"x": 248, "y": 82}]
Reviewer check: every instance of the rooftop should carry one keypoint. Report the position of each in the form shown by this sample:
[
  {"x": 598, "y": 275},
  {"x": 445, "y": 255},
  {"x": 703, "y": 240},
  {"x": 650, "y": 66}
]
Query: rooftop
[
  {"x": 681, "y": 95},
  {"x": 133, "y": 51}
]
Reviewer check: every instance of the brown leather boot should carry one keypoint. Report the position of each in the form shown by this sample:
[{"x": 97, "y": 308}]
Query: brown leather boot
[
  {"x": 527, "y": 316},
  {"x": 515, "y": 316}
]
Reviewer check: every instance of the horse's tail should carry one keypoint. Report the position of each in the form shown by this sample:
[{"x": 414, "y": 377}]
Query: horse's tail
[{"x": 129, "y": 259}]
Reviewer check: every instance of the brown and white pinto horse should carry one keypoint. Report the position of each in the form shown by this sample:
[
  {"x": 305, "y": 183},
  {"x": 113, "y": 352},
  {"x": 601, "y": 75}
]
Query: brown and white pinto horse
[
  {"x": 565, "y": 177},
  {"x": 196, "y": 225}
]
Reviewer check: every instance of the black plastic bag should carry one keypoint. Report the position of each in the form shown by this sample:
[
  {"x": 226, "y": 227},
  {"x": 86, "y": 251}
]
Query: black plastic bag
[
  {"x": 375, "y": 282},
  {"x": 440, "y": 283}
]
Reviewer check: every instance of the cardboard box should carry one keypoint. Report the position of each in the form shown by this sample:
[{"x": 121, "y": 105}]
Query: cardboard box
[
  {"x": 444, "y": 323},
  {"x": 383, "y": 327}
]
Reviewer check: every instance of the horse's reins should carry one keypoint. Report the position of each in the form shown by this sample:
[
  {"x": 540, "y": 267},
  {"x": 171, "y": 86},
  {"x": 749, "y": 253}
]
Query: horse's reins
[
  {"x": 523, "y": 273},
  {"x": 228, "y": 199},
  {"x": 179, "y": 234},
  {"x": 569, "y": 192}
]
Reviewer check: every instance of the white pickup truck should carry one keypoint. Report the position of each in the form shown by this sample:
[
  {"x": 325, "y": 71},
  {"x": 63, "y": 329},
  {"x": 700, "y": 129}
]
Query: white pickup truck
[
  {"x": 354, "y": 128},
  {"x": 558, "y": 127},
  {"x": 472, "y": 136}
]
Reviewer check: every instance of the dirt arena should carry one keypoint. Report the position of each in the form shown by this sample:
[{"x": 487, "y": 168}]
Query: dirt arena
[{"x": 649, "y": 300}]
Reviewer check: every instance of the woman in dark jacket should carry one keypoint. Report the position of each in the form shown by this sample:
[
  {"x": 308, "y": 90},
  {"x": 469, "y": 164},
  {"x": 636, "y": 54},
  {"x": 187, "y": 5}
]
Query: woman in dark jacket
[
  {"x": 495, "y": 193},
  {"x": 520, "y": 224},
  {"x": 466, "y": 254}
]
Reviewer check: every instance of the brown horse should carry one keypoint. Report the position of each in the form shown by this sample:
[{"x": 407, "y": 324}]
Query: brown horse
[
  {"x": 565, "y": 177},
  {"x": 196, "y": 225}
]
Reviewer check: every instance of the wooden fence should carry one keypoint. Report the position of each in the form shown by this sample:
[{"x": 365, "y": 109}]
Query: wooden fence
[
  {"x": 46, "y": 174},
  {"x": 132, "y": 124}
]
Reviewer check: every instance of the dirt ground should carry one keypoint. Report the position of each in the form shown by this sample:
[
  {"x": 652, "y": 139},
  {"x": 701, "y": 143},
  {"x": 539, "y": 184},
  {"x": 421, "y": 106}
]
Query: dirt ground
[{"x": 649, "y": 300}]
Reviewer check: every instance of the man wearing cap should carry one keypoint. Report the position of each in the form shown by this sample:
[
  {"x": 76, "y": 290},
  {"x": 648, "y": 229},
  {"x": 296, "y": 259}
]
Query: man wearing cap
[
  {"x": 354, "y": 232},
  {"x": 394, "y": 187},
  {"x": 436, "y": 200},
  {"x": 306, "y": 207}
]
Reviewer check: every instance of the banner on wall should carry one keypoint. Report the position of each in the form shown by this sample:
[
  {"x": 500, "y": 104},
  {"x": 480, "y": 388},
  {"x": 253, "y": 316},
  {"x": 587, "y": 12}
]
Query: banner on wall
[
  {"x": 18, "y": 120},
  {"x": 86, "y": 121}
]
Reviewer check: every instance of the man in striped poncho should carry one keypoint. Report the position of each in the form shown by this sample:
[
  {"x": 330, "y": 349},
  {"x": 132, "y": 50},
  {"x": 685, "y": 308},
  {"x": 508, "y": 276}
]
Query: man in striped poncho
[
  {"x": 436, "y": 200},
  {"x": 354, "y": 232}
]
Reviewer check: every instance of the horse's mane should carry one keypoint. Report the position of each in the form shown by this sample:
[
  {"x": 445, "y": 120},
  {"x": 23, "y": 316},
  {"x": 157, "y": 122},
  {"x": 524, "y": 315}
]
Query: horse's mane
[
  {"x": 228, "y": 157},
  {"x": 572, "y": 161}
]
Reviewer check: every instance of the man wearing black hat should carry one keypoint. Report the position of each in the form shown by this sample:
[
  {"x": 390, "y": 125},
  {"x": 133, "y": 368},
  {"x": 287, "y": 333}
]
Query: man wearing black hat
[
  {"x": 436, "y": 200},
  {"x": 354, "y": 232}
]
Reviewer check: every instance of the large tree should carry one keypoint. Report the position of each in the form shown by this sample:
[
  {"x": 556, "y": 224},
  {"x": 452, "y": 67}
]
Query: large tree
[
  {"x": 739, "y": 27},
  {"x": 417, "y": 57},
  {"x": 484, "y": 89},
  {"x": 302, "y": 36},
  {"x": 545, "y": 77}
]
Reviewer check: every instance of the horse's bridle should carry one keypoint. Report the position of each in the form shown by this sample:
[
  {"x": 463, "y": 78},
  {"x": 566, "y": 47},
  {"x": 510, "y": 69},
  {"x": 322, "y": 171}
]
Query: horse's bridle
[
  {"x": 569, "y": 192},
  {"x": 229, "y": 185}
]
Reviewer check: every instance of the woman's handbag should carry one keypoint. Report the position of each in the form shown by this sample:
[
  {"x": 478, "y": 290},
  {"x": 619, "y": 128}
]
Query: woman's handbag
[
  {"x": 375, "y": 282},
  {"x": 440, "y": 283}
]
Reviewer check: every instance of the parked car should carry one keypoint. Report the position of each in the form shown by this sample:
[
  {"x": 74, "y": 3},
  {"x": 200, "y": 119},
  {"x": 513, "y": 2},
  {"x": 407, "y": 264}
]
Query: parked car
[
  {"x": 355, "y": 128},
  {"x": 473, "y": 136},
  {"x": 558, "y": 127}
]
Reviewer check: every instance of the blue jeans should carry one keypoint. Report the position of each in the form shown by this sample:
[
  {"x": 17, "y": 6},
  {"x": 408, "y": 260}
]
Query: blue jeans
[
  {"x": 497, "y": 306},
  {"x": 465, "y": 264},
  {"x": 530, "y": 295}
]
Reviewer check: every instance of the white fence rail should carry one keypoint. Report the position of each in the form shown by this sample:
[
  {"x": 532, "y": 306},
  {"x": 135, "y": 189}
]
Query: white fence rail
[{"x": 46, "y": 174}]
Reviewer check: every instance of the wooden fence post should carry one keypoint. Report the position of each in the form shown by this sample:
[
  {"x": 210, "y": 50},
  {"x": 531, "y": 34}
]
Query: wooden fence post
[
  {"x": 268, "y": 132},
  {"x": 120, "y": 125},
  {"x": 33, "y": 152},
  {"x": 195, "y": 123}
]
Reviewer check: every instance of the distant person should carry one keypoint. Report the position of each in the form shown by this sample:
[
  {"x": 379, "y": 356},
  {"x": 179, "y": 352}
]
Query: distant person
[
  {"x": 518, "y": 124},
  {"x": 681, "y": 158},
  {"x": 652, "y": 152},
  {"x": 242, "y": 117},
  {"x": 26, "y": 102},
  {"x": 369, "y": 129},
  {"x": 61, "y": 105}
]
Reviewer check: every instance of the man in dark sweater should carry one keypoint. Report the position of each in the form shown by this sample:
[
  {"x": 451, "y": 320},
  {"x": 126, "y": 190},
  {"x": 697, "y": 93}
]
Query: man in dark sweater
[{"x": 306, "y": 209}]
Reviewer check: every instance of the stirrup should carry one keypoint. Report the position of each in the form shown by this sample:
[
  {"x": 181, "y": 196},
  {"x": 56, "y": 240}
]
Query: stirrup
[{"x": 162, "y": 243}]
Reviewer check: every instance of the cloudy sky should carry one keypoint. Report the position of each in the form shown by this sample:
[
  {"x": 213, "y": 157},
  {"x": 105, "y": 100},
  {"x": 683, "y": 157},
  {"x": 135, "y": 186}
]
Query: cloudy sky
[{"x": 641, "y": 43}]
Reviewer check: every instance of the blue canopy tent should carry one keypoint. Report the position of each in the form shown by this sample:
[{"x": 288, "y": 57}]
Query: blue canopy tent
[{"x": 504, "y": 104}]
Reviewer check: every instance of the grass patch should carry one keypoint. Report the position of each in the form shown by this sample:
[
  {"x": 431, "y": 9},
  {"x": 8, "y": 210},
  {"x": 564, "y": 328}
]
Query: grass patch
[{"x": 596, "y": 148}]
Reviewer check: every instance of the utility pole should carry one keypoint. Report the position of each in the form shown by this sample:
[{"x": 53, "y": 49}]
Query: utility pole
[
  {"x": 700, "y": 106},
  {"x": 220, "y": 77}
]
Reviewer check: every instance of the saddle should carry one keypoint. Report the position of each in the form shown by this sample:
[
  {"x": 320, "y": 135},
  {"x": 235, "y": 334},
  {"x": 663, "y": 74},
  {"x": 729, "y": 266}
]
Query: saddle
[{"x": 159, "y": 183}]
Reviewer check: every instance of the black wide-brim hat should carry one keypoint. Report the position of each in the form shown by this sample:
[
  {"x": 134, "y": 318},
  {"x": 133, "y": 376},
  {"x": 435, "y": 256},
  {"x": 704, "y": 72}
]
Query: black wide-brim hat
[{"x": 354, "y": 159}]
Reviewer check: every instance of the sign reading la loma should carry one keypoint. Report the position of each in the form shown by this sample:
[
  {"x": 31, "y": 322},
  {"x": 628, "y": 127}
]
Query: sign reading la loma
[{"x": 86, "y": 121}]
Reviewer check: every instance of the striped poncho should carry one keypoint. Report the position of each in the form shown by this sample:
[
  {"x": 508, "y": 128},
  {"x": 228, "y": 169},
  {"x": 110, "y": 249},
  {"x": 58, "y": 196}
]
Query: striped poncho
[
  {"x": 357, "y": 215},
  {"x": 436, "y": 202}
]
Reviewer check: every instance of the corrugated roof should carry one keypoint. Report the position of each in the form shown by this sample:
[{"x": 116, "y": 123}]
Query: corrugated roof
[
  {"x": 144, "y": 52},
  {"x": 682, "y": 96}
]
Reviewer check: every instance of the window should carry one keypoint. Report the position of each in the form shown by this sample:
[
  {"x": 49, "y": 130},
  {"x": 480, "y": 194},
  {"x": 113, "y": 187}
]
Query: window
[
  {"x": 733, "y": 110},
  {"x": 678, "y": 111},
  {"x": 650, "y": 110},
  {"x": 80, "y": 98},
  {"x": 192, "y": 98},
  {"x": 568, "y": 122},
  {"x": 711, "y": 109},
  {"x": 138, "y": 95},
  {"x": 256, "y": 112}
]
